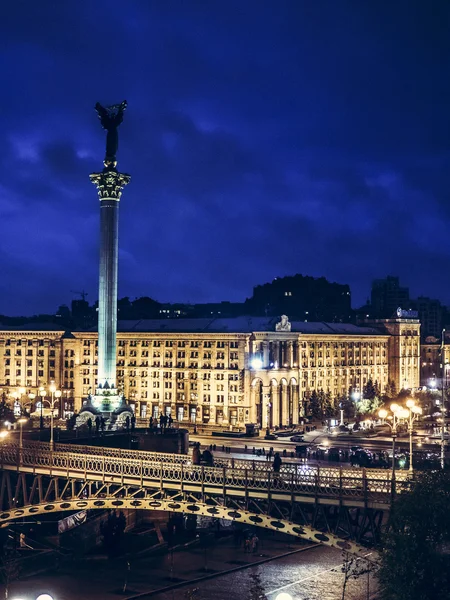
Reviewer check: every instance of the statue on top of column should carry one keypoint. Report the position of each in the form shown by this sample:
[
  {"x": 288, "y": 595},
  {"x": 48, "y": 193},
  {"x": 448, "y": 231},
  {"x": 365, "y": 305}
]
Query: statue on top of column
[{"x": 111, "y": 117}]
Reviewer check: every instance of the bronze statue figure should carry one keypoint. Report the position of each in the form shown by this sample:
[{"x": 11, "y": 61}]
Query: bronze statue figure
[{"x": 111, "y": 117}]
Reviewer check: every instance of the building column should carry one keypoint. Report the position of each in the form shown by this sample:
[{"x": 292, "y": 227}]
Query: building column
[
  {"x": 275, "y": 404},
  {"x": 276, "y": 354},
  {"x": 265, "y": 357},
  {"x": 265, "y": 407},
  {"x": 290, "y": 355},
  {"x": 254, "y": 402},
  {"x": 285, "y": 404},
  {"x": 295, "y": 404}
]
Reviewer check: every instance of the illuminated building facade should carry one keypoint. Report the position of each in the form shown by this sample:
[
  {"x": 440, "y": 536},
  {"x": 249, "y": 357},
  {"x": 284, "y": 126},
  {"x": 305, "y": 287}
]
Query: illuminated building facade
[{"x": 219, "y": 371}]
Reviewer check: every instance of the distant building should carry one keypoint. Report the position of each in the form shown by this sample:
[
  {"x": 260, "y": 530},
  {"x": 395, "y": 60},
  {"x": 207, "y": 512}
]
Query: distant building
[
  {"x": 303, "y": 298},
  {"x": 215, "y": 370},
  {"x": 387, "y": 295},
  {"x": 432, "y": 316}
]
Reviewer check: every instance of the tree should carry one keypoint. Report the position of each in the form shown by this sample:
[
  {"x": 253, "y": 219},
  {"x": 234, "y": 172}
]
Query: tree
[
  {"x": 314, "y": 407},
  {"x": 329, "y": 409},
  {"x": 6, "y": 413},
  {"x": 353, "y": 568},
  {"x": 415, "y": 562},
  {"x": 391, "y": 390},
  {"x": 347, "y": 405},
  {"x": 369, "y": 391}
]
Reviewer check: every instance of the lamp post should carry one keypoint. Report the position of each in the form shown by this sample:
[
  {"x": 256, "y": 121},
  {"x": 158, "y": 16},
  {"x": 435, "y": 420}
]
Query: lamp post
[
  {"x": 398, "y": 413},
  {"x": 32, "y": 397},
  {"x": 22, "y": 391},
  {"x": 21, "y": 422},
  {"x": 56, "y": 394},
  {"x": 414, "y": 413},
  {"x": 42, "y": 394}
]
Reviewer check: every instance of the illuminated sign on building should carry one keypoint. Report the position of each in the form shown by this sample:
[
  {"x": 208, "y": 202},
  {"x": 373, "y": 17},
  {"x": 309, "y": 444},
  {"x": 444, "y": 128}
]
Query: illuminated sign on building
[{"x": 407, "y": 314}]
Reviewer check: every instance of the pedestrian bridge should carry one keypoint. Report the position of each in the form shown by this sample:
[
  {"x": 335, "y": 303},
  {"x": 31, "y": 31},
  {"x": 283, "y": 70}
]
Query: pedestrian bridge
[{"x": 318, "y": 504}]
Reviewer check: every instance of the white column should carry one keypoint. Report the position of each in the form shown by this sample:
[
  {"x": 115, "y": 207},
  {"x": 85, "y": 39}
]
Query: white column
[{"x": 109, "y": 186}]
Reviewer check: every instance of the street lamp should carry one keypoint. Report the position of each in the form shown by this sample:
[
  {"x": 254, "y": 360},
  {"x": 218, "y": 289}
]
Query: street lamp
[
  {"x": 22, "y": 391},
  {"x": 398, "y": 413},
  {"x": 21, "y": 422},
  {"x": 56, "y": 394},
  {"x": 31, "y": 396},
  {"x": 42, "y": 394},
  {"x": 414, "y": 413}
]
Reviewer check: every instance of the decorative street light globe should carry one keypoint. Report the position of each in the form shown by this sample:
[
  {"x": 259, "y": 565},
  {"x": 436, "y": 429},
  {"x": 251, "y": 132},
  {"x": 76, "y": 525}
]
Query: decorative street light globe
[
  {"x": 284, "y": 596},
  {"x": 44, "y": 597}
]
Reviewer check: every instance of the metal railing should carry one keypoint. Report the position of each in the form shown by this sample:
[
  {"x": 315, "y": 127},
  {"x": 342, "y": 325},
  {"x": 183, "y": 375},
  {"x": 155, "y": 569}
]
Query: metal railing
[
  {"x": 251, "y": 464},
  {"x": 151, "y": 472}
]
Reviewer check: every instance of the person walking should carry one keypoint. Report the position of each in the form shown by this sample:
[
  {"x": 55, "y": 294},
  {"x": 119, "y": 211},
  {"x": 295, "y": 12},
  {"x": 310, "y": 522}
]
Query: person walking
[
  {"x": 277, "y": 462},
  {"x": 196, "y": 455}
]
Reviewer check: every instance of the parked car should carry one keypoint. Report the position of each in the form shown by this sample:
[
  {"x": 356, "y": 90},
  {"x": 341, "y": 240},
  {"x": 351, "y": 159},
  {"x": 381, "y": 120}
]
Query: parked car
[
  {"x": 298, "y": 438},
  {"x": 270, "y": 436}
]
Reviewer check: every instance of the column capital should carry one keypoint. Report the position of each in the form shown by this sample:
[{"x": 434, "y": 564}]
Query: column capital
[{"x": 110, "y": 183}]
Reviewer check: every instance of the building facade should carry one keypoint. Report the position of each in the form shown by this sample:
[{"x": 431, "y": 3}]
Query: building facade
[{"x": 217, "y": 371}]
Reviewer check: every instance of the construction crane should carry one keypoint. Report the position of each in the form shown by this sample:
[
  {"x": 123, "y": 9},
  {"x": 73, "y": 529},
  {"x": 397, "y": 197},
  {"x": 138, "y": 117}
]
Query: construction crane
[{"x": 83, "y": 294}]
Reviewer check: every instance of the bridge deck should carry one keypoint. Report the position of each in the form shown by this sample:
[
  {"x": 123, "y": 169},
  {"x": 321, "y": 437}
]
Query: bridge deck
[{"x": 328, "y": 486}]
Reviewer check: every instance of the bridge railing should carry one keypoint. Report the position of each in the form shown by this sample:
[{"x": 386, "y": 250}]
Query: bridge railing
[
  {"x": 253, "y": 465},
  {"x": 159, "y": 473}
]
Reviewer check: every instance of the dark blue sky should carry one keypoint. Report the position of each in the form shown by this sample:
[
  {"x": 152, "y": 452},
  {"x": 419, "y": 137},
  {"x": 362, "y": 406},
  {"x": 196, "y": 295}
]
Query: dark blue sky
[{"x": 264, "y": 138}]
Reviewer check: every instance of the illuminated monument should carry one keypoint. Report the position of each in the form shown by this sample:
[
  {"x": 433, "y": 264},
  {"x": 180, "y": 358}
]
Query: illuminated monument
[{"x": 108, "y": 401}]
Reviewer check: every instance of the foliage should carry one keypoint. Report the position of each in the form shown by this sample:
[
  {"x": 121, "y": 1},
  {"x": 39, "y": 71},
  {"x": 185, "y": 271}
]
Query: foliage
[
  {"x": 369, "y": 390},
  {"x": 368, "y": 407},
  {"x": 314, "y": 407},
  {"x": 426, "y": 400},
  {"x": 6, "y": 413},
  {"x": 321, "y": 405},
  {"x": 391, "y": 391},
  {"x": 347, "y": 405},
  {"x": 415, "y": 562},
  {"x": 353, "y": 568}
]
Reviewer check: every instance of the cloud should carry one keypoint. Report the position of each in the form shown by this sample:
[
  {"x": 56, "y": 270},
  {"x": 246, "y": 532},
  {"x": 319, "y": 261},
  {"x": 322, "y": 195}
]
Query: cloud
[{"x": 261, "y": 142}]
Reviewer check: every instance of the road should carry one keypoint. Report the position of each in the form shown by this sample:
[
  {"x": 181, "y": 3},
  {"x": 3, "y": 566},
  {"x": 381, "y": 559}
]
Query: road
[
  {"x": 309, "y": 574},
  {"x": 313, "y": 438}
]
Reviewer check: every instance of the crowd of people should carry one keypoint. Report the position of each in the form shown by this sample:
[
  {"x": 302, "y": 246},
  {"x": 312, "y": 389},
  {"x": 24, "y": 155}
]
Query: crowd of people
[{"x": 162, "y": 424}]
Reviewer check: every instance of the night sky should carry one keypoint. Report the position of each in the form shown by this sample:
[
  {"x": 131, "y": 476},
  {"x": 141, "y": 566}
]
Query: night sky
[{"x": 263, "y": 137}]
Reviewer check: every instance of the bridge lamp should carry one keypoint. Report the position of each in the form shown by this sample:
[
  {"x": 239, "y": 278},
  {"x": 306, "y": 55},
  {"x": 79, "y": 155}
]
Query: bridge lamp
[
  {"x": 284, "y": 596},
  {"x": 3, "y": 434},
  {"x": 45, "y": 597}
]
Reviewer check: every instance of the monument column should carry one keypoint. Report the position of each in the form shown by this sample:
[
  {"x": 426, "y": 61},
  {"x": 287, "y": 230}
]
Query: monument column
[{"x": 110, "y": 184}]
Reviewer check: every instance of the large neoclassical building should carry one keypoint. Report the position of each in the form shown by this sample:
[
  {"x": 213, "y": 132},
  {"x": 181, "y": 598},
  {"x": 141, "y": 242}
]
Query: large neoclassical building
[{"x": 217, "y": 371}]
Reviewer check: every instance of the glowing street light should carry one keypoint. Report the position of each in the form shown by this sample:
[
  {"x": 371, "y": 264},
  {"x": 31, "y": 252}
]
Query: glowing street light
[
  {"x": 414, "y": 413},
  {"x": 21, "y": 422},
  {"x": 56, "y": 394},
  {"x": 42, "y": 394}
]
